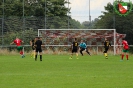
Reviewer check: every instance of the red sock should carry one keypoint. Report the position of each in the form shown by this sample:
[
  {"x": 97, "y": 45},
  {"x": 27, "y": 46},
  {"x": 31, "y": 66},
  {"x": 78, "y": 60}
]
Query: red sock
[
  {"x": 21, "y": 52},
  {"x": 127, "y": 57},
  {"x": 122, "y": 56}
]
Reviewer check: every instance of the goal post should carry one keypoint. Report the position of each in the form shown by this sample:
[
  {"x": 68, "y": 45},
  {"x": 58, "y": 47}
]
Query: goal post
[{"x": 64, "y": 37}]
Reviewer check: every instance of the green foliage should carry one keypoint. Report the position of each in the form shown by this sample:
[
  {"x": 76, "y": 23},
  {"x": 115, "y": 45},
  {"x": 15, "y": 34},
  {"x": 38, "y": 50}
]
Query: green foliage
[
  {"x": 111, "y": 20},
  {"x": 26, "y": 37},
  {"x": 90, "y": 25},
  {"x": 53, "y": 8},
  {"x": 52, "y": 14},
  {"x": 75, "y": 24},
  {"x": 131, "y": 50}
]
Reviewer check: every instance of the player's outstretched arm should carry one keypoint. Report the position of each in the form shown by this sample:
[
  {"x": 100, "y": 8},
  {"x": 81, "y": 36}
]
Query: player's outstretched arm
[
  {"x": 109, "y": 44},
  {"x": 31, "y": 43},
  {"x": 42, "y": 45},
  {"x": 22, "y": 42},
  {"x": 11, "y": 43},
  {"x": 71, "y": 46}
]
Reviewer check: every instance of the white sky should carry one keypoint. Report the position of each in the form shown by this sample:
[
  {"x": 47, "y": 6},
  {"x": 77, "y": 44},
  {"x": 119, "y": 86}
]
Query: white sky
[{"x": 80, "y": 8}]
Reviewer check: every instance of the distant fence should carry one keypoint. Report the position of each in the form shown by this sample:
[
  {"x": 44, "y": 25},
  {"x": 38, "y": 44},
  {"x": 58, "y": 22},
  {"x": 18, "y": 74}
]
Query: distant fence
[{"x": 66, "y": 49}]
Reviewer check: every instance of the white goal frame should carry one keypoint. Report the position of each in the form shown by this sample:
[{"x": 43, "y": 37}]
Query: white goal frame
[{"x": 114, "y": 45}]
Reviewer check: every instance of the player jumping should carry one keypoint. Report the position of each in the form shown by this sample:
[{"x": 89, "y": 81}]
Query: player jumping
[{"x": 18, "y": 43}]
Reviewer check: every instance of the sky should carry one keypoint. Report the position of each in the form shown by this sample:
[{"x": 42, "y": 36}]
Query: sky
[{"x": 80, "y": 9}]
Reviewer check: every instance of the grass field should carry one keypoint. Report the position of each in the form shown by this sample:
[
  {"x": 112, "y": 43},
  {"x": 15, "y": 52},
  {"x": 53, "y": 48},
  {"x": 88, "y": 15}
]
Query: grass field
[{"x": 58, "y": 71}]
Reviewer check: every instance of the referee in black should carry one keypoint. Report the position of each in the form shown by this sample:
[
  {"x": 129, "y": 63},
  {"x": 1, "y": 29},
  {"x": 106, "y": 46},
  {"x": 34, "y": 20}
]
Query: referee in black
[{"x": 38, "y": 45}]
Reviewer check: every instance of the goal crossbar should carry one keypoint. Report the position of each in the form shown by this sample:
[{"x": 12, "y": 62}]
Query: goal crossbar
[{"x": 114, "y": 34}]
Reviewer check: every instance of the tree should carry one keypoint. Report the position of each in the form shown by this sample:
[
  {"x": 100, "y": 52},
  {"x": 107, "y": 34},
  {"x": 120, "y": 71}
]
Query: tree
[
  {"x": 122, "y": 24},
  {"x": 90, "y": 25},
  {"x": 52, "y": 14}
]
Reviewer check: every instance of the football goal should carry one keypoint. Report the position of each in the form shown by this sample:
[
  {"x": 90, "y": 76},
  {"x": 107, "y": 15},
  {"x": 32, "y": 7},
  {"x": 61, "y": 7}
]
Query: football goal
[{"x": 61, "y": 39}]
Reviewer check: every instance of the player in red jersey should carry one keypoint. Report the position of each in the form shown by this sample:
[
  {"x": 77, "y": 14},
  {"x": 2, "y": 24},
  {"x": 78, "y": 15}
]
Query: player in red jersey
[
  {"x": 125, "y": 49},
  {"x": 18, "y": 43}
]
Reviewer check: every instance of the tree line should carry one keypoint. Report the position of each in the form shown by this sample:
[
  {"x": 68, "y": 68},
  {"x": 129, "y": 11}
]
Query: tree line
[{"x": 24, "y": 18}]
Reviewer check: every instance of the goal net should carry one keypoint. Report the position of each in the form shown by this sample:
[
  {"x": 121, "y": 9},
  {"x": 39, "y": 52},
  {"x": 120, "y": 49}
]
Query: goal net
[{"x": 61, "y": 39}]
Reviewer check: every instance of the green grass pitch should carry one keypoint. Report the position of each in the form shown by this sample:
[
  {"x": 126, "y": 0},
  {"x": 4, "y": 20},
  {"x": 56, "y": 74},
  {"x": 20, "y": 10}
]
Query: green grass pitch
[{"x": 58, "y": 71}]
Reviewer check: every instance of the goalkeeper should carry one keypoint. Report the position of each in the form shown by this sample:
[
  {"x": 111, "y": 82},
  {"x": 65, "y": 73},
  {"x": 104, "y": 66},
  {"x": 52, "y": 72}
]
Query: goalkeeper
[{"x": 83, "y": 47}]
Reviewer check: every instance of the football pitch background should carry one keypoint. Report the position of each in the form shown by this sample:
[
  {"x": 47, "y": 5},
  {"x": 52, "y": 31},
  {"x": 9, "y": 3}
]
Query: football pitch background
[{"x": 58, "y": 71}]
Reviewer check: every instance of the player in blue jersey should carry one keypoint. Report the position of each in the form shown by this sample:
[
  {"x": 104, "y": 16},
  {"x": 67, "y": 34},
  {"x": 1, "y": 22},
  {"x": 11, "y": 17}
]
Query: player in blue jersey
[{"x": 83, "y": 47}]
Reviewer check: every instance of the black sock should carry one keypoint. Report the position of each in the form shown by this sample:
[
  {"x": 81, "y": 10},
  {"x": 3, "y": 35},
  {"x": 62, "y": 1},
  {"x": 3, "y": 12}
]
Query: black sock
[
  {"x": 81, "y": 53},
  {"x": 35, "y": 57},
  {"x": 40, "y": 57},
  {"x": 88, "y": 52}
]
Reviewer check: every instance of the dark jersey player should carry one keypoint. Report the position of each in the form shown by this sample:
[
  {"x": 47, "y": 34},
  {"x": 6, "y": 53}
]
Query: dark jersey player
[
  {"x": 107, "y": 44},
  {"x": 38, "y": 45},
  {"x": 32, "y": 43},
  {"x": 75, "y": 48}
]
